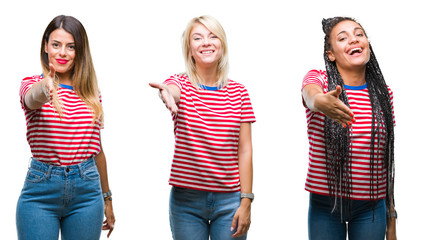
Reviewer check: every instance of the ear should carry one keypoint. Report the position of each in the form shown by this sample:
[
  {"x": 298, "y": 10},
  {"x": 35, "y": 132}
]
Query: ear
[{"x": 331, "y": 56}]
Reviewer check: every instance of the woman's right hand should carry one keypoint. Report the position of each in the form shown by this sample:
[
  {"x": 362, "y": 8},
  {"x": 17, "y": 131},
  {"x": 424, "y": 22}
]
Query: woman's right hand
[
  {"x": 328, "y": 103},
  {"x": 49, "y": 81},
  {"x": 167, "y": 96}
]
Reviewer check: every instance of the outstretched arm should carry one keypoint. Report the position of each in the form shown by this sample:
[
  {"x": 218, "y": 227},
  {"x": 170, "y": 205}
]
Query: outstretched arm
[
  {"x": 170, "y": 95},
  {"x": 41, "y": 92},
  {"x": 328, "y": 103}
]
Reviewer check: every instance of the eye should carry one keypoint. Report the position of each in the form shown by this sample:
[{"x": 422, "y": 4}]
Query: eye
[
  {"x": 214, "y": 36},
  {"x": 55, "y": 45},
  {"x": 71, "y": 47},
  {"x": 196, "y": 38},
  {"x": 341, "y": 39}
]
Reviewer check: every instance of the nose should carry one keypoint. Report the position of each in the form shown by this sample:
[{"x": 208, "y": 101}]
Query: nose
[
  {"x": 62, "y": 51},
  {"x": 353, "y": 39},
  {"x": 206, "y": 41}
]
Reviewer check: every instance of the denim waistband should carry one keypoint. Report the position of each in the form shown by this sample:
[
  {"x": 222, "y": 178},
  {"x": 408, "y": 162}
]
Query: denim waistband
[{"x": 62, "y": 170}]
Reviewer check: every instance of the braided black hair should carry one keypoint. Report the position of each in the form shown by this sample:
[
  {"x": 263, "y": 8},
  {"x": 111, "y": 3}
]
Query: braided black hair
[{"x": 338, "y": 139}]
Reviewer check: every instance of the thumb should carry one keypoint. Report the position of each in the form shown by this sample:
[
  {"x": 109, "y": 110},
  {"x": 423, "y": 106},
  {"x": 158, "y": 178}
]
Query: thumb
[
  {"x": 336, "y": 92},
  {"x": 52, "y": 71}
]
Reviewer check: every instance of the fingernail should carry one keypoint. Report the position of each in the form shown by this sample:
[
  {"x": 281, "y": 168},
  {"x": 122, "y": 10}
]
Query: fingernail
[
  {"x": 231, "y": 229},
  {"x": 351, "y": 114},
  {"x": 343, "y": 125},
  {"x": 349, "y": 123},
  {"x": 354, "y": 119}
]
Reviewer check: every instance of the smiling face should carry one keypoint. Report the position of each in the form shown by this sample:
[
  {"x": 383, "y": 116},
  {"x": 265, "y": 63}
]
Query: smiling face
[
  {"x": 350, "y": 46},
  {"x": 61, "y": 52},
  {"x": 205, "y": 47}
]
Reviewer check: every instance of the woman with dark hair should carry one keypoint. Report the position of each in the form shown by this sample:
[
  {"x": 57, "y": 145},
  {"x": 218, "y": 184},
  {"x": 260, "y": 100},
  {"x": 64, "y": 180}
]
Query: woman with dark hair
[
  {"x": 211, "y": 172},
  {"x": 67, "y": 174},
  {"x": 350, "y": 123}
]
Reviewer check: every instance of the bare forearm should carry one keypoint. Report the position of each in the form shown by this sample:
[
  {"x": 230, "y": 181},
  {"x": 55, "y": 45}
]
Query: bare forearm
[
  {"x": 103, "y": 172},
  {"x": 36, "y": 97},
  {"x": 245, "y": 172},
  {"x": 310, "y": 92},
  {"x": 245, "y": 158}
]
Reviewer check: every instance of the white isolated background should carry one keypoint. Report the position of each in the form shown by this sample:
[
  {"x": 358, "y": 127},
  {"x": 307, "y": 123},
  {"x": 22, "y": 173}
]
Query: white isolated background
[{"x": 272, "y": 45}]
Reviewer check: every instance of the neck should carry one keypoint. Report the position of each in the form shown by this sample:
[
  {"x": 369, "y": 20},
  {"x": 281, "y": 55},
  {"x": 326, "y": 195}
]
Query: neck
[
  {"x": 208, "y": 75},
  {"x": 353, "y": 77},
  {"x": 65, "y": 78}
]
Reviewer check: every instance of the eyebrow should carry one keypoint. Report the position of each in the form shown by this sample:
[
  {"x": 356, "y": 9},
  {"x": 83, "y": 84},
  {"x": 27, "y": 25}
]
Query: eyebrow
[
  {"x": 356, "y": 28},
  {"x": 210, "y": 33},
  {"x": 57, "y": 41}
]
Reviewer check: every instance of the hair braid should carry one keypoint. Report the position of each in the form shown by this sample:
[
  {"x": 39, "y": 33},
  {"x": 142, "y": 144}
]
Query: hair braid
[{"x": 338, "y": 139}]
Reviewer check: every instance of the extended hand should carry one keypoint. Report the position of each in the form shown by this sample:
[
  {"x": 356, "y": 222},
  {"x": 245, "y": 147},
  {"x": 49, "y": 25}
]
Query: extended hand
[
  {"x": 49, "y": 82},
  {"x": 330, "y": 105},
  {"x": 166, "y": 96}
]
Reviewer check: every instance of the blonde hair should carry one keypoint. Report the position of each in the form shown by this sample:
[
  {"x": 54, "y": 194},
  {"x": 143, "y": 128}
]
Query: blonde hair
[
  {"x": 83, "y": 75},
  {"x": 223, "y": 63}
]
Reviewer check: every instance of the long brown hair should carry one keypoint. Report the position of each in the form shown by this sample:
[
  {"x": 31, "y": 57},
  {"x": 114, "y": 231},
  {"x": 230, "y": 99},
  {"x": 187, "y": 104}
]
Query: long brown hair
[{"x": 83, "y": 75}]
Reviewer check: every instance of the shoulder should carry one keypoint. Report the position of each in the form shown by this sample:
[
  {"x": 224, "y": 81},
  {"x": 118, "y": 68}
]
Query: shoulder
[
  {"x": 178, "y": 79},
  {"x": 316, "y": 74},
  {"x": 34, "y": 79},
  {"x": 231, "y": 84},
  {"x": 317, "y": 77}
]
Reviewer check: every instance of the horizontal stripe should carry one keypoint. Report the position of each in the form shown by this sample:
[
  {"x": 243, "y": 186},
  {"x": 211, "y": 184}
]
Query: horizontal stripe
[
  {"x": 66, "y": 140},
  {"x": 359, "y": 102},
  {"x": 207, "y": 129}
]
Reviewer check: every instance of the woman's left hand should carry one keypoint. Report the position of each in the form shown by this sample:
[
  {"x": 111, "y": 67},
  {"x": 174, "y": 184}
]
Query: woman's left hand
[
  {"x": 242, "y": 218},
  {"x": 109, "y": 223},
  {"x": 391, "y": 232}
]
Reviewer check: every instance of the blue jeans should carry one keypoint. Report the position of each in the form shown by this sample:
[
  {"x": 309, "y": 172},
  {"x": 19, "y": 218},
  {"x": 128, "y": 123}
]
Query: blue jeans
[
  {"x": 65, "y": 198},
  {"x": 196, "y": 215},
  {"x": 324, "y": 225}
]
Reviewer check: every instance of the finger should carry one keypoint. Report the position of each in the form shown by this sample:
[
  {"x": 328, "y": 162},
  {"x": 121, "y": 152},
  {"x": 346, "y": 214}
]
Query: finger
[
  {"x": 234, "y": 222},
  {"x": 241, "y": 230},
  {"x": 157, "y": 85},
  {"x": 110, "y": 231},
  {"x": 52, "y": 71}
]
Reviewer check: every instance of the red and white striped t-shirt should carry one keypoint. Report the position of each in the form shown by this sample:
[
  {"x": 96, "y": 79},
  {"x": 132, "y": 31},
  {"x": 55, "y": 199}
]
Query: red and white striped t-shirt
[
  {"x": 358, "y": 99},
  {"x": 206, "y": 130},
  {"x": 67, "y": 141}
]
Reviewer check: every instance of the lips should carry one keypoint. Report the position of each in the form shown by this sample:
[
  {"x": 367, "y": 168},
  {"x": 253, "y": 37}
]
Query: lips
[
  {"x": 207, "y": 51},
  {"x": 61, "y": 61},
  {"x": 355, "y": 50}
]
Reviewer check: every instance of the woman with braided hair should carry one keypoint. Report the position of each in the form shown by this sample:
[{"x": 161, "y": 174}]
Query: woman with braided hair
[{"x": 351, "y": 135}]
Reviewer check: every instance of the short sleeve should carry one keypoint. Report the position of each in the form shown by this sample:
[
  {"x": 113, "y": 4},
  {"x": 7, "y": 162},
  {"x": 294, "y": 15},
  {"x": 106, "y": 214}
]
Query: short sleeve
[
  {"x": 317, "y": 77},
  {"x": 247, "y": 112},
  {"x": 175, "y": 80},
  {"x": 101, "y": 122}
]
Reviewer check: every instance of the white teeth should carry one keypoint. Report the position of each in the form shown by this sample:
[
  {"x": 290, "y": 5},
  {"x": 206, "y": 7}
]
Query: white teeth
[
  {"x": 207, "y": 52},
  {"x": 354, "y": 50}
]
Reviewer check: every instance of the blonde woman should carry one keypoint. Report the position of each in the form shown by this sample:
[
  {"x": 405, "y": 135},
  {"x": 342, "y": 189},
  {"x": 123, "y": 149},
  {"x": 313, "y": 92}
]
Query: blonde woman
[
  {"x": 211, "y": 172},
  {"x": 67, "y": 175}
]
